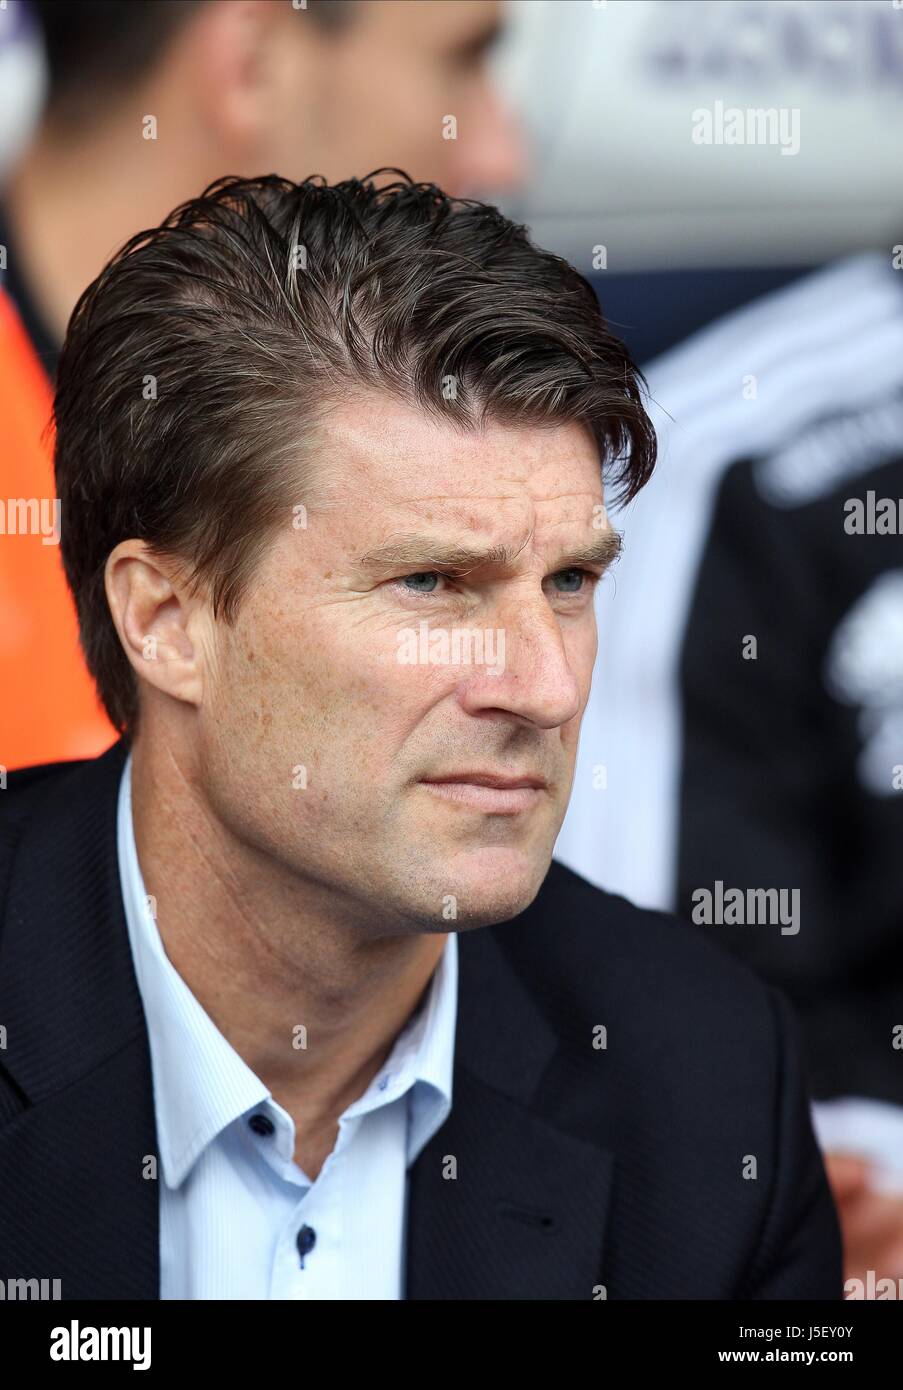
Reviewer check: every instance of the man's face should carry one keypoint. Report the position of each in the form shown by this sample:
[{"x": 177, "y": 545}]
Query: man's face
[
  {"x": 328, "y": 669},
  {"x": 379, "y": 92}
]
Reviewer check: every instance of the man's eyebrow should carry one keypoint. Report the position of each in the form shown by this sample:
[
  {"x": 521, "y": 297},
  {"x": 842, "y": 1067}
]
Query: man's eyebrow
[
  {"x": 431, "y": 552},
  {"x": 601, "y": 552}
]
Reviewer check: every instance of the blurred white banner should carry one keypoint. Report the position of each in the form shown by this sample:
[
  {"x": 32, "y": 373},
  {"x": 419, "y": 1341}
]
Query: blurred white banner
[{"x": 686, "y": 133}]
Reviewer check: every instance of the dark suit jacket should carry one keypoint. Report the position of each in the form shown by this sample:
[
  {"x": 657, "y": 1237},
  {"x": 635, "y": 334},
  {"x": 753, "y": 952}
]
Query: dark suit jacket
[{"x": 577, "y": 1166}]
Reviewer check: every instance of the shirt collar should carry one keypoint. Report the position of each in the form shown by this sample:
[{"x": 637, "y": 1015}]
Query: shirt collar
[{"x": 202, "y": 1085}]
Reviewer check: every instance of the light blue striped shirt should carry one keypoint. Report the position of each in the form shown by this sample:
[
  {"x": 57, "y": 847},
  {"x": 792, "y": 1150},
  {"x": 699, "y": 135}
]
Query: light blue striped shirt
[{"x": 232, "y": 1200}]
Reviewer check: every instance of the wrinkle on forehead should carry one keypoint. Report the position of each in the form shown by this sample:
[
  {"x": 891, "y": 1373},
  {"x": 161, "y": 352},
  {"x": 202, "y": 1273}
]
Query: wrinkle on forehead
[{"x": 377, "y": 441}]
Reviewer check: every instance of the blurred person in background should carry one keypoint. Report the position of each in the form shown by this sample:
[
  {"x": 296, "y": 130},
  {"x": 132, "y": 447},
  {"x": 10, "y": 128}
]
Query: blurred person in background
[
  {"x": 791, "y": 689},
  {"x": 745, "y": 723},
  {"x": 761, "y": 718},
  {"x": 147, "y": 102}
]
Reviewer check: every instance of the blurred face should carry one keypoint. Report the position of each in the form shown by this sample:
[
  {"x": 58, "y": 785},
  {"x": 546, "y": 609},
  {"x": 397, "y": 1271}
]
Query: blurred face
[
  {"x": 380, "y": 92},
  {"x": 435, "y": 767}
]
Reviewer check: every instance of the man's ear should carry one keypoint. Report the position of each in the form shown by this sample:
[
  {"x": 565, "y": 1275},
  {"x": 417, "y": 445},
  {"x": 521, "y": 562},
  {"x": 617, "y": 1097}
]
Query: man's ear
[
  {"x": 156, "y": 619},
  {"x": 247, "y": 61}
]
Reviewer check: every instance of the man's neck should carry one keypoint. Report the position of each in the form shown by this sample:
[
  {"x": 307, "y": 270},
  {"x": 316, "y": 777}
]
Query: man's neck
[
  {"x": 71, "y": 206},
  {"x": 263, "y": 956}
]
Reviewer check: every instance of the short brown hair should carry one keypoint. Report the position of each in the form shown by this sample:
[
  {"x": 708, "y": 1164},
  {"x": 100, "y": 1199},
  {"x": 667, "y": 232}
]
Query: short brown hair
[{"x": 194, "y": 363}]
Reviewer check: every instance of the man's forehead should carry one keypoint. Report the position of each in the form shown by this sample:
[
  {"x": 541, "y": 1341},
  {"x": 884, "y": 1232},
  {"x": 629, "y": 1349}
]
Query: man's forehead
[
  {"x": 489, "y": 517},
  {"x": 464, "y": 531},
  {"x": 386, "y": 451}
]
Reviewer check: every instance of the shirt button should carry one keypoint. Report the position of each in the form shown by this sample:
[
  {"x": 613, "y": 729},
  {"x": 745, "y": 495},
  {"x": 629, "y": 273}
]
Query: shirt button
[
  {"x": 307, "y": 1239},
  {"x": 261, "y": 1124}
]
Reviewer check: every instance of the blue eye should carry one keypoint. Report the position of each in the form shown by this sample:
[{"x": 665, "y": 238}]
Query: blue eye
[
  {"x": 418, "y": 589},
  {"x": 577, "y": 574}
]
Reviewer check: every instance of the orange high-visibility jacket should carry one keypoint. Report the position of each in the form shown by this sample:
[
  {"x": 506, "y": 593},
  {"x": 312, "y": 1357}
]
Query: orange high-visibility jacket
[{"x": 49, "y": 708}]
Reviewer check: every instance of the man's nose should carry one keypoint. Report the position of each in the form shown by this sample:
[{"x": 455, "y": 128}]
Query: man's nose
[
  {"x": 493, "y": 159},
  {"x": 532, "y": 675}
]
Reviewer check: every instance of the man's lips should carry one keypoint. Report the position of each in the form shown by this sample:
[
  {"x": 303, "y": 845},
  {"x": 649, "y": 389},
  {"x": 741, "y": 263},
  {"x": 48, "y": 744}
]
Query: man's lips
[{"x": 498, "y": 793}]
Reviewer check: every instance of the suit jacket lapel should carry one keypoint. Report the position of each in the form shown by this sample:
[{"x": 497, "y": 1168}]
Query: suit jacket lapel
[
  {"x": 76, "y": 1201},
  {"x": 502, "y": 1204}
]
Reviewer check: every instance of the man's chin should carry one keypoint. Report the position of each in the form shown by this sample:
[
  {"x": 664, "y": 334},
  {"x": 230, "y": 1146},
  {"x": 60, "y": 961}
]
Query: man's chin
[{"x": 491, "y": 884}]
